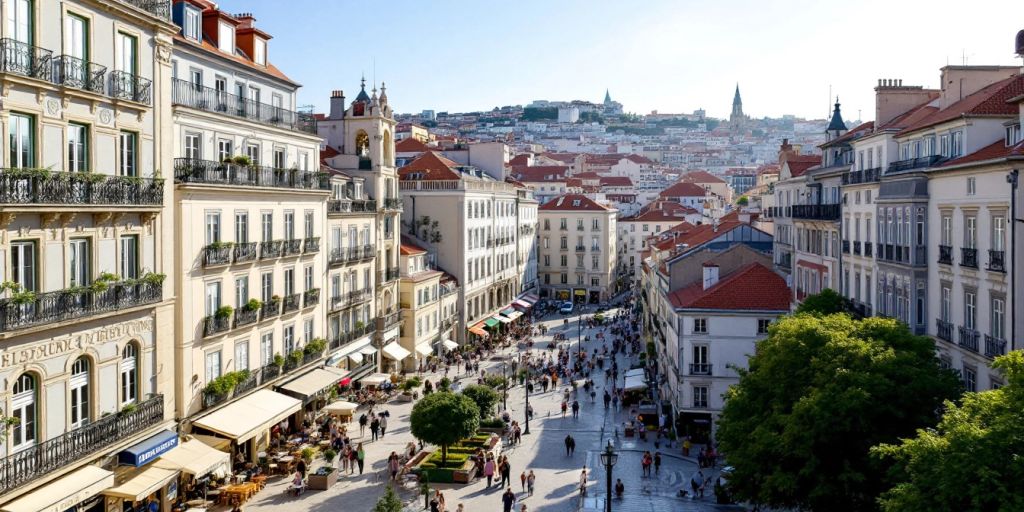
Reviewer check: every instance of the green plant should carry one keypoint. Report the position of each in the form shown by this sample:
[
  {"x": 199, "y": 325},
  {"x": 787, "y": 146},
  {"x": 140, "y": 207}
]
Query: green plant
[
  {"x": 307, "y": 454},
  {"x": 224, "y": 312},
  {"x": 129, "y": 408},
  {"x": 253, "y": 305},
  {"x": 444, "y": 384},
  {"x": 316, "y": 346},
  {"x": 153, "y": 278},
  {"x": 278, "y": 360},
  {"x": 241, "y": 160},
  {"x": 492, "y": 423},
  {"x": 414, "y": 381},
  {"x": 329, "y": 454},
  {"x": 484, "y": 397},
  {"x": 389, "y": 502},
  {"x": 443, "y": 419},
  {"x": 19, "y": 295},
  {"x": 496, "y": 381},
  {"x": 31, "y": 172},
  {"x": 220, "y": 245},
  {"x": 105, "y": 279},
  {"x": 599, "y": 318},
  {"x": 94, "y": 177},
  {"x": 359, "y": 325},
  {"x": 295, "y": 357}
]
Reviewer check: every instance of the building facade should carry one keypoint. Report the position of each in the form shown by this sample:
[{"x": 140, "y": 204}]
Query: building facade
[{"x": 578, "y": 246}]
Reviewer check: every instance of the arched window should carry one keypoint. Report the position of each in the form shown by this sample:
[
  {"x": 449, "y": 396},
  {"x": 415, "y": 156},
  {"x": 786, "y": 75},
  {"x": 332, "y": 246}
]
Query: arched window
[
  {"x": 129, "y": 374},
  {"x": 79, "y": 395},
  {"x": 23, "y": 410},
  {"x": 362, "y": 144}
]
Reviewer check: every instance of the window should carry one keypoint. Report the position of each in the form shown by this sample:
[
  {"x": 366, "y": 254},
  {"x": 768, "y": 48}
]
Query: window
[
  {"x": 700, "y": 397},
  {"x": 129, "y": 374},
  {"x": 970, "y": 232},
  {"x": 224, "y": 150},
  {"x": 289, "y": 281},
  {"x": 970, "y": 376},
  {"x": 956, "y": 144},
  {"x": 260, "y": 51},
  {"x": 944, "y": 145},
  {"x": 23, "y": 264},
  {"x": 970, "y": 309},
  {"x": 242, "y": 355},
  {"x": 22, "y": 140},
  {"x": 23, "y": 411},
  {"x": 213, "y": 369},
  {"x": 191, "y": 29},
  {"x": 595, "y": 225},
  {"x": 79, "y": 393},
  {"x": 266, "y": 286},
  {"x": 563, "y": 223},
  {"x": 78, "y": 148},
  {"x": 129, "y": 257},
  {"x": 565, "y": 278},
  {"x": 700, "y": 325},
  {"x": 267, "y": 219},
  {"x": 212, "y": 227},
  {"x": 241, "y": 227},
  {"x": 998, "y": 233},
  {"x": 919, "y": 299},
  {"x": 947, "y": 230},
  {"x": 192, "y": 146},
  {"x": 127, "y": 46},
  {"x": 308, "y": 283},
  {"x": 547, "y": 224},
  {"x": 226, "y": 38},
  {"x": 289, "y": 225},
  {"x": 998, "y": 320},
  {"x": 289, "y": 339},
  {"x": 253, "y": 152},
  {"x": 212, "y": 298},
  {"x": 946, "y": 305},
  {"x": 762, "y": 325},
  {"x": 267, "y": 348},
  {"x": 971, "y": 186},
  {"x": 196, "y": 76},
  {"x": 19, "y": 21},
  {"x": 241, "y": 291},
  {"x": 76, "y": 42}
]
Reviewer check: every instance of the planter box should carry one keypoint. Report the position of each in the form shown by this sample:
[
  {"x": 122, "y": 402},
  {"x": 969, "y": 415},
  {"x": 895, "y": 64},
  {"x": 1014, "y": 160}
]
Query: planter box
[
  {"x": 461, "y": 476},
  {"x": 491, "y": 430},
  {"x": 404, "y": 397},
  {"x": 322, "y": 483}
]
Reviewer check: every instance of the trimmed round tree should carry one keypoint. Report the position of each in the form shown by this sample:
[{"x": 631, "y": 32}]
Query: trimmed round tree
[
  {"x": 444, "y": 419},
  {"x": 484, "y": 396}
]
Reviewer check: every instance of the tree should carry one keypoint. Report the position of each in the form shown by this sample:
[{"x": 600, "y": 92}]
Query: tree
[
  {"x": 389, "y": 502},
  {"x": 444, "y": 418},
  {"x": 743, "y": 201},
  {"x": 972, "y": 460},
  {"x": 820, "y": 391},
  {"x": 825, "y": 303},
  {"x": 484, "y": 396}
]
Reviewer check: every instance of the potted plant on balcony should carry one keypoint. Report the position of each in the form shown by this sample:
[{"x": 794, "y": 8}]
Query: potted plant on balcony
[
  {"x": 153, "y": 278},
  {"x": 278, "y": 360},
  {"x": 103, "y": 282},
  {"x": 315, "y": 346},
  {"x": 19, "y": 295},
  {"x": 295, "y": 358},
  {"x": 359, "y": 326},
  {"x": 253, "y": 305}
]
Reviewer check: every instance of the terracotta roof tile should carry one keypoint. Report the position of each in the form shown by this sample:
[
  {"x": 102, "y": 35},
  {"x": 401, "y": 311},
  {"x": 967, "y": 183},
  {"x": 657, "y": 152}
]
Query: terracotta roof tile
[
  {"x": 752, "y": 287},
  {"x": 616, "y": 181},
  {"x": 429, "y": 166},
  {"x": 640, "y": 159},
  {"x": 205, "y": 45},
  {"x": 573, "y": 202},
  {"x": 523, "y": 159},
  {"x": 684, "y": 189},
  {"x": 988, "y": 101},
  {"x": 799, "y": 164},
  {"x": 660, "y": 211},
  {"x": 995, "y": 151},
  {"x": 411, "y": 145},
  {"x": 537, "y": 173},
  {"x": 700, "y": 177},
  {"x": 409, "y": 248}
]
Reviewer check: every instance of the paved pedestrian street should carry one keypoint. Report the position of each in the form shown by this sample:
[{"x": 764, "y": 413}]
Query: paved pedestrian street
[{"x": 543, "y": 451}]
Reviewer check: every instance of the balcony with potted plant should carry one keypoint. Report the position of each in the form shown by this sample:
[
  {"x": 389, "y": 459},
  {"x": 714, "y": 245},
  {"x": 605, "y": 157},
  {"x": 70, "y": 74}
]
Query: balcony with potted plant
[
  {"x": 271, "y": 308},
  {"x": 292, "y": 302},
  {"x": 217, "y": 253},
  {"x": 218, "y": 322},
  {"x": 248, "y": 313}
]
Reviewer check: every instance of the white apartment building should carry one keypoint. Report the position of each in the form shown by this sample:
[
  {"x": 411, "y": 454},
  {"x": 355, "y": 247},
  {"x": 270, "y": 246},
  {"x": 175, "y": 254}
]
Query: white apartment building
[
  {"x": 420, "y": 299},
  {"x": 578, "y": 249},
  {"x": 651, "y": 221},
  {"x": 86, "y": 314},
  {"x": 526, "y": 241}
]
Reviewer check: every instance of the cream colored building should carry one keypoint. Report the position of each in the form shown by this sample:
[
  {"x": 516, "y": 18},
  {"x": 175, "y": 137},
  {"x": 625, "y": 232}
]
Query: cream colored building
[
  {"x": 85, "y": 240},
  {"x": 421, "y": 305},
  {"x": 577, "y": 249}
]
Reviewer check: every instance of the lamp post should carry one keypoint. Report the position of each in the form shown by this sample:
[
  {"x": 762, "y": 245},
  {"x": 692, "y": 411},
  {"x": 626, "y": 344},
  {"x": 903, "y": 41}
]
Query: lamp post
[
  {"x": 579, "y": 336},
  {"x": 526, "y": 412},
  {"x": 609, "y": 458},
  {"x": 504, "y": 388}
]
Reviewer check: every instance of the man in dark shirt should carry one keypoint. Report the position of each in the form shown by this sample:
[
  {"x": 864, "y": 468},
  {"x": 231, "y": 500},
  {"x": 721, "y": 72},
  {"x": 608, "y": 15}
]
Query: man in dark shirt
[{"x": 508, "y": 500}]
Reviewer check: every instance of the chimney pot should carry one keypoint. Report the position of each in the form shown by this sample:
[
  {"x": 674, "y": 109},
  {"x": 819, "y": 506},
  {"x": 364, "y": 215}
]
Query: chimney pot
[{"x": 901, "y": 82}]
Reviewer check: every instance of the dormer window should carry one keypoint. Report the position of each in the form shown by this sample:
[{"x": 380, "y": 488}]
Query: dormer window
[
  {"x": 1012, "y": 134},
  {"x": 226, "y": 37},
  {"x": 191, "y": 28},
  {"x": 260, "y": 52},
  {"x": 575, "y": 202}
]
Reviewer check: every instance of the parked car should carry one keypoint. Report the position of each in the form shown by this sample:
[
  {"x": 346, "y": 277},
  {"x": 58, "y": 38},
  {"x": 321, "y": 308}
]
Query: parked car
[{"x": 566, "y": 308}]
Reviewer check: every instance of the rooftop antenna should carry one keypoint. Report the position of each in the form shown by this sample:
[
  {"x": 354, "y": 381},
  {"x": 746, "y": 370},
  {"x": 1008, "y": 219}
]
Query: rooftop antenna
[{"x": 828, "y": 104}]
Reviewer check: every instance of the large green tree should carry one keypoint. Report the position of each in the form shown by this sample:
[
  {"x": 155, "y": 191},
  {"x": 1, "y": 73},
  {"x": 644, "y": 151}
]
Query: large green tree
[
  {"x": 819, "y": 393},
  {"x": 973, "y": 460},
  {"x": 443, "y": 418},
  {"x": 485, "y": 398},
  {"x": 825, "y": 303}
]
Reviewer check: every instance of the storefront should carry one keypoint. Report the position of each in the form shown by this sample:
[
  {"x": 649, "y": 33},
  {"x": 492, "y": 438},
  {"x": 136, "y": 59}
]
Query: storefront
[
  {"x": 396, "y": 353},
  {"x": 247, "y": 422},
  {"x": 314, "y": 389},
  {"x": 563, "y": 294},
  {"x": 196, "y": 461},
  {"x": 479, "y": 329},
  {"x": 697, "y": 425},
  {"x": 449, "y": 345},
  {"x": 78, "y": 491},
  {"x": 579, "y": 295},
  {"x": 140, "y": 484}
]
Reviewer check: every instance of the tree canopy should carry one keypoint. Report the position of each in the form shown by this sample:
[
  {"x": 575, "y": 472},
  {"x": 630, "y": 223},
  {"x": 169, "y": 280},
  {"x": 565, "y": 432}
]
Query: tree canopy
[
  {"x": 825, "y": 303},
  {"x": 388, "y": 502},
  {"x": 743, "y": 201},
  {"x": 444, "y": 418},
  {"x": 819, "y": 393},
  {"x": 973, "y": 460},
  {"x": 485, "y": 398}
]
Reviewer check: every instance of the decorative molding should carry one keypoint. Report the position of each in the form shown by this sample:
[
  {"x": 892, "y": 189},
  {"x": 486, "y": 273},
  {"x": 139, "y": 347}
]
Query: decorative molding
[
  {"x": 163, "y": 52},
  {"x": 101, "y": 217},
  {"x": 6, "y": 219},
  {"x": 49, "y": 219},
  {"x": 106, "y": 116}
]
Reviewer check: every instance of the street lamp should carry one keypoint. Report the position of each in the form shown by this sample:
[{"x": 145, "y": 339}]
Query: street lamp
[
  {"x": 579, "y": 336},
  {"x": 526, "y": 412},
  {"x": 504, "y": 388},
  {"x": 609, "y": 458}
]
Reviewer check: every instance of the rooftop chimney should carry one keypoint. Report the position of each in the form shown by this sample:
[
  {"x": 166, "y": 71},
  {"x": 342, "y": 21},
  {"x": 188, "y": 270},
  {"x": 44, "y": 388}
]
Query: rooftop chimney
[
  {"x": 337, "y": 104},
  {"x": 710, "y": 275},
  {"x": 245, "y": 19}
]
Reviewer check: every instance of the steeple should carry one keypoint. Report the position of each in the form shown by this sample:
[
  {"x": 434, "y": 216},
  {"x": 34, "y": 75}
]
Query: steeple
[
  {"x": 362, "y": 96},
  {"x": 736, "y": 118},
  {"x": 607, "y": 97},
  {"x": 736, "y": 101},
  {"x": 836, "y": 124}
]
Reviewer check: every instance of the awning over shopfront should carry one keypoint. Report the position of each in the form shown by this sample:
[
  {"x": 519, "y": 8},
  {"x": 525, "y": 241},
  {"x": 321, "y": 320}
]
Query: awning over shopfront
[
  {"x": 351, "y": 348},
  {"x": 491, "y": 322},
  {"x": 580, "y": 293},
  {"x": 633, "y": 372},
  {"x": 375, "y": 379},
  {"x": 144, "y": 452},
  {"x": 478, "y": 329},
  {"x": 634, "y": 383},
  {"x": 368, "y": 351},
  {"x": 450, "y": 345},
  {"x": 504, "y": 319},
  {"x": 424, "y": 349},
  {"x": 341, "y": 407},
  {"x": 194, "y": 458},
  {"x": 356, "y": 357},
  {"x": 395, "y": 351},
  {"x": 508, "y": 311},
  {"x": 64, "y": 493},
  {"x": 313, "y": 382},
  {"x": 520, "y": 303},
  {"x": 138, "y": 484},
  {"x": 514, "y": 315},
  {"x": 251, "y": 414}
]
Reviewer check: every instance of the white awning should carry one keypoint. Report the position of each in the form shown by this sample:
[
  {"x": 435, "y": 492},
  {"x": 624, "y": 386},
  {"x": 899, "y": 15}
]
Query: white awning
[
  {"x": 139, "y": 483},
  {"x": 195, "y": 458},
  {"x": 514, "y": 315},
  {"x": 341, "y": 407},
  {"x": 353, "y": 347},
  {"x": 313, "y": 382},
  {"x": 65, "y": 492},
  {"x": 368, "y": 351},
  {"x": 375, "y": 379},
  {"x": 450, "y": 345},
  {"x": 250, "y": 415},
  {"x": 634, "y": 371},
  {"x": 634, "y": 382},
  {"x": 356, "y": 357},
  {"x": 504, "y": 319},
  {"x": 424, "y": 349},
  {"x": 395, "y": 351}
]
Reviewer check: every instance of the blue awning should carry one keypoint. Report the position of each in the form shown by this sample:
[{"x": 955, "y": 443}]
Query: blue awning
[{"x": 144, "y": 452}]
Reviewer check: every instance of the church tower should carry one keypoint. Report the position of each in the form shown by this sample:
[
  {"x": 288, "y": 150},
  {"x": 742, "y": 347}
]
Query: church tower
[{"x": 736, "y": 118}]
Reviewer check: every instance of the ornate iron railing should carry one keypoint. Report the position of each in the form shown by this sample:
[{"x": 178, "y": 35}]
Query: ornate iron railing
[
  {"x": 994, "y": 347},
  {"x": 25, "y": 60},
  {"x": 997, "y": 261},
  {"x": 816, "y": 211},
  {"x": 213, "y": 325},
  {"x": 126, "y": 86},
  {"x": 217, "y": 255},
  {"x": 344, "y": 338},
  {"x": 351, "y": 206},
  {"x": 292, "y": 302},
  {"x": 42, "y": 186},
  {"x": 158, "y": 8},
  {"x": 271, "y": 249},
  {"x": 193, "y": 170},
  {"x": 968, "y": 257},
  {"x": 391, "y": 320},
  {"x": 311, "y": 245},
  {"x": 244, "y": 316},
  {"x": 69, "y": 304},
  {"x": 946, "y": 254},
  {"x": 700, "y": 369},
  {"x": 914, "y": 163},
  {"x": 969, "y": 339},
  {"x": 246, "y": 251},
  {"x": 80, "y": 74},
  {"x": 868, "y": 247},
  {"x": 392, "y": 204},
  {"x": 311, "y": 297},
  {"x": 292, "y": 246},
  {"x": 944, "y": 330},
  {"x": 270, "y": 309},
  {"x": 190, "y": 95}
]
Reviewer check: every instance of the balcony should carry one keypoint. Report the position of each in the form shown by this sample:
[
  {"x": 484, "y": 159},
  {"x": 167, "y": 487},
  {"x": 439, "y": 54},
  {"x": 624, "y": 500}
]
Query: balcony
[
  {"x": 217, "y": 254},
  {"x": 311, "y": 297},
  {"x": 271, "y": 249},
  {"x": 945, "y": 255},
  {"x": 996, "y": 261},
  {"x": 351, "y": 335},
  {"x": 347, "y": 255},
  {"x": 311, "y": 245},
  {"x": 968, "y": 257},
  {"x": 816, "y": 211},
  {"x": 390, "y": 320},
  {"x": 209, "y": 172},
  {"x": 868, "y": 249},
  {"x": 968, "y": 338},
  {"x": 914, "y": 163},
  {"x": 54, "y": 454},
  {"x": 245, "y": 316},
  {"x": 45, "y": 187},
  {"x": 214, "y": 325},
  {"x": 944, "y": 330},
  {"x": 856, "y": 248},
  {"x": 158, "y": 8},
  {"x": 245, "y": 251},
  {"x": 81, "y": 74},
  {"x": 391, "y": 274},
  {"x": 700, "y": 369},
  {"x": 351, "y": 206},
  {"x": 292, "y": 246},
  {"x": 994, "y": 347},
  {"x": 126, "y": 86},
  {"x": 32, "y": 309},
  {"x": 580, "y": 248},
  {"x": 24, "y": 59},
  {"x": 292, "y": 302},
  {"x": 595, "y": 248},
  {"x": 864, "y": 176},
  {"x": 190, "y": 95},
  {"x": 270, "y": 308},
  {"x": 846, "y": 247},
  {"x": 391, "y": 204}
]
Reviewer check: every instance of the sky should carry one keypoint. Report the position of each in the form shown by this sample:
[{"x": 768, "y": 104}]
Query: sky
[{"x": 666, "y": 55}]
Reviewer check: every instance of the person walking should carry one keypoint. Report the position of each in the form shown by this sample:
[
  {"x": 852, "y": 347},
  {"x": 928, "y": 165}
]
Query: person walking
[
  {"x": 489, "y": 470},
  {"x": 697, "y": 482},
  {"x": 508, "y": 500},
  {"x": 645, "y": 463},
  {"x": 374, "y": 425},
  {"x": 568, "y": 445},
  {"x": 393, "y": 466},
  {"x": 506, "y": 472},
  {"x": 607, "y": 399},
  {"x": 360, "y": 457},
  {"x": 565, "y": 407},
  {"x": 530, "y": 480},
  {"x": 686, "y": 446},
  {"x": 522, "y": 480},
  {"x": 575, "y": 409},
  {"x": 383, "y": 425},
  {"x": 583, "y": 481},
  {"x": 657, "y": 462}
]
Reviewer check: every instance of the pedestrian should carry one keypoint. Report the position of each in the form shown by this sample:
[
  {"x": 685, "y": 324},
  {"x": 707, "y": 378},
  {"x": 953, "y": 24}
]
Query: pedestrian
[
  {"x": 583, "y": 481},
  {"x": 393, "y": 466},
  {"x": 645, "y": 463},
  {"x": 374, "y": 425},
  {"x": 489, "y": 470},
  {"x": 686, "y": 446},
  {"x": 506, "y": 472},
  {"x": 564, "y": 408},
  {"x": 607, "y": 399},
  {"x": 360, "y": 457},
  {"x": 657, "y": 462},
  {"x": 522, "y": 480},
  {"x": 697, "y": 481},
  {"x": 530, "y": 480},
  {"x": 383, "y": 424},
  {"x": 508, "y": 500},
  {"x": 568, "y": 445},
  {"x": 575, "y": 409},
  {"x": 619, "y": 488},
  {"x": 301, "y": 467},
  {"x": 352, "y": 460},
  {"x": 362, "y": 424},
  {"x": 435, "y": 506}
]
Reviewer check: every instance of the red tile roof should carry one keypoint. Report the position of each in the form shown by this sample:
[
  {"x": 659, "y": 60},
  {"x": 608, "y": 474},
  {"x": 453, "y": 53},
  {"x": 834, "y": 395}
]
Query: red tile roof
[
  {"x": 640, "y": 159},
  {"x": 523, "y": 159},
  {"x": 562, "y": 157},
  {"x": 798, "y": 164},
  {"x": 429, "y": 166},
  {"x": 409, "y": 248},
  {"x": 660, "y": 211},
  {"x": 995, "y": 151},
  {"x": 693, "y": 236},
  {"x": 989, "y": 101},
  {"x": 206, "y": 46},
  {"x": 684, "y": 189},
  {"x": 329, "y": 152},
  {"x": 701, "y": 177},
  {"x": 752, "y": 287},
  {"x": 591, "y": 175},
  {"x": 859, "y": 131},
  {"x": 567, "y": 201},
  {"x": 536, "y": 173},
  {"x": 411, "y": 145},
  {"x": 616, "y": 181}
]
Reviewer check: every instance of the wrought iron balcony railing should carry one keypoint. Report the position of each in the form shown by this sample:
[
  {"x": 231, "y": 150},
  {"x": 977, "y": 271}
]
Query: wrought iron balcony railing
[
  {"x": 292, "y": 246},
  {"x": 846, "y": 247},
  {"x": 969, "y": 339},
  {"x": 351, "y": 206},
  {"x": 856, "y": 248},
  {"x": 392, "y": 204},
  {"x": 994, "y": 347},
  {"x": 342, "y": 339},
  {"x": 126, "y": 86},
  {"x": 271, "y": 249},
  {"x": 944, "y": 330},
  {"x": 968, "y": 257},
  {"x": 213, "y": 325},
  {"x": 42, "y": 186},
  {"x": 209, "y": 172},
  {"x": 217, "y": 254},
  {"x": 245, "y": 316},
  {"x": 311, "y": 297},
  {"x": 25, "y": 60},
  {"x": 868, "y": 249},
  {"x": 914, "y": 163},
  {"x": 71, "y": 304},
  {"x": 80, "y": 74},
  {"x": 53, "y": 454},
  {"x": 864, "y": 176},
  {"x": 997, "y": 261},
  {"x": 311, "y": 245},
  {"x": 816, "y": 211},
  {"x": 195, "y": 96},
  {"x": 945, "y": 254},
  {"x": 391, "y": 274},
  {"x": 292, "y": 302},
  {"x": 390, "y": 320},
  {"x": 270, "y": 309},
  {"x": 158, "y": 8},
  {"x": 700, "y": 369},
  {"x": 246, "y": 251}
]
